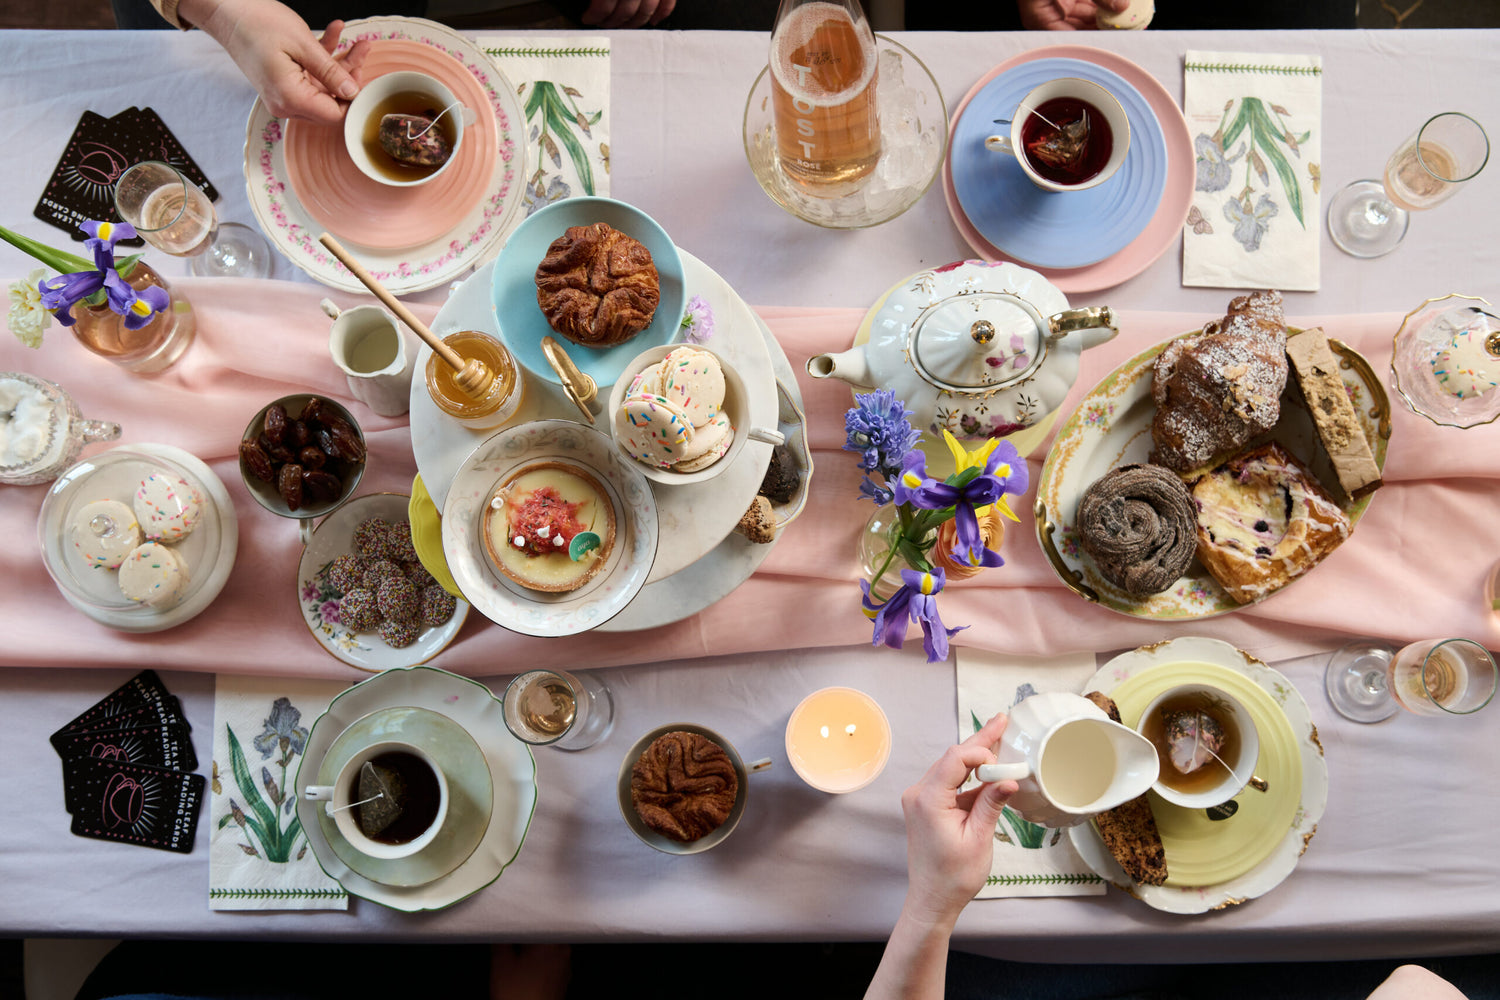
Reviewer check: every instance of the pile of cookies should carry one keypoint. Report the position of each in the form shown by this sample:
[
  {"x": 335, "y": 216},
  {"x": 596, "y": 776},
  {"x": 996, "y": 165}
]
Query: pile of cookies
[
  {"x": 137, "y": 540},
  {"x": 384, "y": 586},
  {"x": 672, "y": 416}
]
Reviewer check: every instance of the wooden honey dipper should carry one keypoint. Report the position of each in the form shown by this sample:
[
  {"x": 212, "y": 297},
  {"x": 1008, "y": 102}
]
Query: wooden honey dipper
[{"x": 472, "y": 375}]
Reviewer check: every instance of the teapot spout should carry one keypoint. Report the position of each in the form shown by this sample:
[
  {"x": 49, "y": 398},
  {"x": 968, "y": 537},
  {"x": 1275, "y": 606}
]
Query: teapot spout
[{"x": 849, "y": 366}]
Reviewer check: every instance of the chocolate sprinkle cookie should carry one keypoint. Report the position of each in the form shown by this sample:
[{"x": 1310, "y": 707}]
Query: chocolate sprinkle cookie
[{"x": 1139, "y": 523}]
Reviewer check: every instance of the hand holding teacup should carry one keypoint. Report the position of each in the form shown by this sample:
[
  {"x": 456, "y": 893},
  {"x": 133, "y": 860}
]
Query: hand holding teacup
[{"x": 1067, "y": 135}]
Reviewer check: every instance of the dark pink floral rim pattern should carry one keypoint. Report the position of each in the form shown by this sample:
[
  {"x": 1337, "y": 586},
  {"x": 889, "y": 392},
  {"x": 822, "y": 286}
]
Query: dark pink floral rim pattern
[{"x": 302, "y": 239}]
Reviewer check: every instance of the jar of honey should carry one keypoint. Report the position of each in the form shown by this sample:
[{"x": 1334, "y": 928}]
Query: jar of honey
[{"x": 498, "y": 404}]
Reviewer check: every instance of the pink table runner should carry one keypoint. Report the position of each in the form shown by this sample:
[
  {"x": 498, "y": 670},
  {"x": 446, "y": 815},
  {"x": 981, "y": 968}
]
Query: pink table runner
[{"x": 1414, "y": 568}]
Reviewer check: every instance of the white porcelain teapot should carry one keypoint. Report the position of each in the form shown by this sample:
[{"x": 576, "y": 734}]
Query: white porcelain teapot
[{"x": 980, "y": 349}]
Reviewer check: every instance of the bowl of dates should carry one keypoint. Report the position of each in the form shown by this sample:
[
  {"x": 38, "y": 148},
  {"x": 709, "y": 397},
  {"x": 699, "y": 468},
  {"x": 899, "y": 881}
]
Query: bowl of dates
[{"x": 302, "y": 456}]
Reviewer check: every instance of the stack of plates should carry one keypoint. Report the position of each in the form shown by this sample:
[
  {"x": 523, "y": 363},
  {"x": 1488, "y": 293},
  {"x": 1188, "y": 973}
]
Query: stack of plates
[{"x": 302, "y": 182}]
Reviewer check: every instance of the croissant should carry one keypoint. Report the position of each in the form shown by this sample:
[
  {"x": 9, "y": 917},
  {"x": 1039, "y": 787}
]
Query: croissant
[
  {"x": 597, "y": 286},
  {"x": 1217, "y": 389}
]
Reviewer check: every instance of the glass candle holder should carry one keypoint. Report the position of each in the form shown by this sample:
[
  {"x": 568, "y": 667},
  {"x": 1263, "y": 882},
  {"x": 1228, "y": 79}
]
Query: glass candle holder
[{"x": 838, "y": 740}]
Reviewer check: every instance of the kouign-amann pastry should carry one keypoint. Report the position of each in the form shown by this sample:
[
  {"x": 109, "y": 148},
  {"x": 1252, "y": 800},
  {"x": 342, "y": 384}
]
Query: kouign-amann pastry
[
  {"x": 1139, "y": 524},
  {"x": 533, "y": 518},
  {"x": 104, "y": 532},
  {"x": 597, "y": 286},
  {"x": 1263, "y": 520},
  {"x": 683, "y": 786},
  {"x": 1129, "y": 830},
  {"x": 168, "y": 507},
  {"x": 1333, "y": 414},
  {"x": 1217, "y": 389}
]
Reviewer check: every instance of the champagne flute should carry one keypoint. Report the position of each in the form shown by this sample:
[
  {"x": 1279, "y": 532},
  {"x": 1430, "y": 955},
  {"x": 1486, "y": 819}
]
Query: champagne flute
[
  {"x": 1369, "y": 681},
  {"x": 560, "y": 709},
  {"x": 1369, "y": 218},
  {"x": 174, "y": 215}
]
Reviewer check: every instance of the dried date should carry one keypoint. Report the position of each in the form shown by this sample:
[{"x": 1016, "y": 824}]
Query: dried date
[
  {"x": 257, "y": 461},
  {"x": 297, "y": 434},
  {"x": 346, "y": 444},
  {"x": 289, "y": 485},
  {"x": 311, "y": 457},
  {"x": 276, "y": 423},
  {"x": 321, "y": 486}
]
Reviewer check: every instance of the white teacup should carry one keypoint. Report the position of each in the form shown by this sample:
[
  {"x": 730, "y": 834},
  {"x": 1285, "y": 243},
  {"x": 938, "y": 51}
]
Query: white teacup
[
  {"x": 1083, "y": 90},
  {"x": 372, "y": 350},
  {"x": 1215, "y": 783},
  {"x": 375, "y": 92},
  {"x": 338, "y": 797},
  {"x": 1070, "y": 761}
]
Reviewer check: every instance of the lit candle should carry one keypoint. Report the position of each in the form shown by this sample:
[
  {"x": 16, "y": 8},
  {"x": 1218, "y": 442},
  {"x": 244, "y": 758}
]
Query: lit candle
[{"x": 838, "y": 739}]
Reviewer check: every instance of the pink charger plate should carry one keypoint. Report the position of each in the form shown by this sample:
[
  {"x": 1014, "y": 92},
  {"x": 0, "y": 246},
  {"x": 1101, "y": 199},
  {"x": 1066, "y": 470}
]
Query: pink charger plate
[
  {"x": 364, "y": 211},
  {"x": 1165, "y": 224}
]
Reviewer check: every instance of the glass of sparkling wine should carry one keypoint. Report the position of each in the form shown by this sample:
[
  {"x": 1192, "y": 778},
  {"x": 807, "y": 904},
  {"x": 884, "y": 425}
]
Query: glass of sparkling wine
[
  {"x": 174, "y": 215},
  {"x": 559, "y": 709},
  {"x": 1368, "y": 681},
  {"x": 1369, "y": 218}
]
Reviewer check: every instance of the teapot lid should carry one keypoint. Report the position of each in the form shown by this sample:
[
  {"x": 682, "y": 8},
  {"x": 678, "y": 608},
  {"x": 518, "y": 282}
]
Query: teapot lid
[{"x": 976, "y": 341}]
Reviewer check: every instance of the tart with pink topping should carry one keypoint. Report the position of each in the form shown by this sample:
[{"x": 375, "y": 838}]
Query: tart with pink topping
[{"x": 549, "y": 527}]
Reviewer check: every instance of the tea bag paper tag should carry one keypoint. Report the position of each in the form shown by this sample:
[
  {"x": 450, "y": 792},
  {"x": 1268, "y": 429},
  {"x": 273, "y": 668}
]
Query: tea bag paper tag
[{"x": 381, "y": 791}]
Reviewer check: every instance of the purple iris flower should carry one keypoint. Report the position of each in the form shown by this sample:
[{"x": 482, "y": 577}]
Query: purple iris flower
[
  {"x": 913, "y": 476},
  {"x": 915, "y": 601},
  {"x": 879, "y": 428},
  {"x": 61, "y": 294}
]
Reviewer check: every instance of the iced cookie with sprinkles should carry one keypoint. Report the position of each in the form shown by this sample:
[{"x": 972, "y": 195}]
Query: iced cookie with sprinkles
[
  {"x": 168, "y": 507},
  {"x": 653, "y": 429},
  {"x": 694, "y": 381},
  {"x": 104, "y": 532},
  {"x": 153, "y": 574},
  {"x": 1469, "y": 365}
]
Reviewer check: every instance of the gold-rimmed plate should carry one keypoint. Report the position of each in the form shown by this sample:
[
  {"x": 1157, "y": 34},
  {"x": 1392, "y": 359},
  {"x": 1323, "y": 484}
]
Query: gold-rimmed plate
[
  {"x": 1112, "y": 427},
  {"x": 1212, "y": 864}
]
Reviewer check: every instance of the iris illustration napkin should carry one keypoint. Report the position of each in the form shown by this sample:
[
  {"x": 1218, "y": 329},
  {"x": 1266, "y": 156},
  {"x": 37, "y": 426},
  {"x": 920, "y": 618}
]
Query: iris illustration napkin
[
  {"x": 259, "y": 857},
  {"x": 1256, "y": 216},
  {"x": 1030, "y": 860}
]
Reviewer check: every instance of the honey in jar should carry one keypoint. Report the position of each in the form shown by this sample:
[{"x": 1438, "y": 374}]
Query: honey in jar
[{"x": 498, "y": 404}]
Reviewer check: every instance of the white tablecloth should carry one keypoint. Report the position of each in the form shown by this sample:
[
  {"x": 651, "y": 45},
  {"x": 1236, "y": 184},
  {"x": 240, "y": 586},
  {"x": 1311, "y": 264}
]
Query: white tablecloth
[{"x": 1402, "y": 863}]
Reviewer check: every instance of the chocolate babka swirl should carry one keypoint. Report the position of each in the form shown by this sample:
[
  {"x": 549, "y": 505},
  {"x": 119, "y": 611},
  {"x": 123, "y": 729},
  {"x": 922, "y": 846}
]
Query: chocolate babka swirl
[
  {"x": 1139, "y": 523},
  {"x": 683, "y": 786}
]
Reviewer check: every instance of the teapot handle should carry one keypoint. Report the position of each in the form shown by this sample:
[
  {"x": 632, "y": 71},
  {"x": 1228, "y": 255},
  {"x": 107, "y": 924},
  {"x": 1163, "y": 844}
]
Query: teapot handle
[{"x": 1096, "y": 325}]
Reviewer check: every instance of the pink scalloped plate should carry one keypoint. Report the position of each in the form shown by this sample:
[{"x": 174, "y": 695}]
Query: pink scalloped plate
[
  {"x": 1165, "y": 225},
  {"x": 362, "y": 210}
]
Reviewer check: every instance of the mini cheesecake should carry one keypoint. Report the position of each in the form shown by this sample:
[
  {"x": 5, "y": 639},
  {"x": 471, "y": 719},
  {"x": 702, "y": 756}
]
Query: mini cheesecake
[{"x": 532, "y": 519}]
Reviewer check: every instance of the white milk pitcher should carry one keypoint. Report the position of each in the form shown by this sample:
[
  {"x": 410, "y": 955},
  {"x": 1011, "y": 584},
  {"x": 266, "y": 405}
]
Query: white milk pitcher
[
  {"x": 1070, "y": 760},
  {"x": 371, "y": 348}
]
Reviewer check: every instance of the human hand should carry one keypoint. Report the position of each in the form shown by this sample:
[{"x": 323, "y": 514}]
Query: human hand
[
  {"x": 950, "y": 835},
  {"x": 627, "y": 13},
  {"x": 1064, "y": 15},
  {"x": 295, "y": 72}
]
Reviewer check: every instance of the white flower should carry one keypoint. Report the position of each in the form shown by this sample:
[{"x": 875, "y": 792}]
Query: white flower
[{"x": 27, "y": 319}]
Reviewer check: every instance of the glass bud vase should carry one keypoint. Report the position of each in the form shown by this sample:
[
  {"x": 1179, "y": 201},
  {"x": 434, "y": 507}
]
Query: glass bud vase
[
  {"x": 154, "y": 347},
  {"x": 875, "y": 543}
]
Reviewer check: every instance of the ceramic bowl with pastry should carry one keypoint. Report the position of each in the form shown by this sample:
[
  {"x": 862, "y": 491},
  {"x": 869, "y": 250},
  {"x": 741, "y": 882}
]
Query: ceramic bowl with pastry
[{"x": 683, "y": 787}]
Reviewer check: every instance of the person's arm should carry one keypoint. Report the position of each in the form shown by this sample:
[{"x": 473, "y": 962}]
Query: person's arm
[
  {"x": 1412, "y": 982},
  {"x": 295, "y": 71},
  {"x": 1064, "y": 15},
  {"x": 626, "y": 13},
  {"x": 949, "y": 845}
]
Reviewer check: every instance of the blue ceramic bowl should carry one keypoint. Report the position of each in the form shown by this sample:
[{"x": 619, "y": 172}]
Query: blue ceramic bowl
[{"x": 522, "y": 325}]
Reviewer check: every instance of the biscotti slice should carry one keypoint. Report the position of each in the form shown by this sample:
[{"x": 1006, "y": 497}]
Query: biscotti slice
[
  {"x": 1333, "y": 414},
  {"x": 1129, "y": 830}
]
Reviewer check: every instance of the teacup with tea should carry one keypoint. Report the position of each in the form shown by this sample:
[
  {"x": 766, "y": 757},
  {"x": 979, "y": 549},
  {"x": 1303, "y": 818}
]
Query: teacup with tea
[
  {"x": 1067, "y": 135},
  {"x": 1207, "y": 744},
  {"x": 389, "y": 799},
  {"x": 405, "y": 128}
]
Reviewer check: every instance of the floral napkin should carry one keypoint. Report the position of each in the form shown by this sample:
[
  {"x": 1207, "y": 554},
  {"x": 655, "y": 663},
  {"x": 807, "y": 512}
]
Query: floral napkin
[
  {"x": 1256, "y": 121},
  {"x": 1030, "y": 860},
  {"x": 563, "y": 85},
  {"x": 258, "y": 857}
]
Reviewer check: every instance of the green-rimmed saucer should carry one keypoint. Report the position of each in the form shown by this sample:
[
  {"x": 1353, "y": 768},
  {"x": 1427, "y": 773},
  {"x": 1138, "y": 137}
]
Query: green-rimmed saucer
[{"x": 470, "y": 793}]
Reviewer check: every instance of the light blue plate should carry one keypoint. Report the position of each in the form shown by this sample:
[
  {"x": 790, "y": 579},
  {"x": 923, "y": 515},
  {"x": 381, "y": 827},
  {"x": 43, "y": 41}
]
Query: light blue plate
[
  {"x": 1050, "y": 228},
  {"x": 513, "y": 292}
]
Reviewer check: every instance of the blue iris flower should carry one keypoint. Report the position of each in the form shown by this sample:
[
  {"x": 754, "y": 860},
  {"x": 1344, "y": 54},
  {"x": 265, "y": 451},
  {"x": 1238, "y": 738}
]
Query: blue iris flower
[{"x": 914, "y": 601}]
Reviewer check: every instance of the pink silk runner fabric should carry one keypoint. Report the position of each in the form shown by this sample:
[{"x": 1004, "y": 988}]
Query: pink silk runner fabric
[{"x": 1413, "y": 569}]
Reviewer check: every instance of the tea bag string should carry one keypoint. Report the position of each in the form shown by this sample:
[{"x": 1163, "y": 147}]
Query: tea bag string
[
  {"x": 418, "y": 135},
  {"x": 1198, "y": 741},
  {"x": 1022, "y": 110},
  {"x": 351, "y": 805}
]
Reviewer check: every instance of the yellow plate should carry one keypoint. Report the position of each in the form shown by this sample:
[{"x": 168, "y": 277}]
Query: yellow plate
[
  {"x": 427, "y": 536},
  {"x": 1201, "y": 851}
]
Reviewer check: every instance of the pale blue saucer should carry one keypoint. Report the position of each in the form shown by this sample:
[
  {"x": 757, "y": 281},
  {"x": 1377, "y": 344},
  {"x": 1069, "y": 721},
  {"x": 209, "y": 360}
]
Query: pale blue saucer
[
  {"x": 1048, "y": 228},
  {"x": 513, "y": 290}
]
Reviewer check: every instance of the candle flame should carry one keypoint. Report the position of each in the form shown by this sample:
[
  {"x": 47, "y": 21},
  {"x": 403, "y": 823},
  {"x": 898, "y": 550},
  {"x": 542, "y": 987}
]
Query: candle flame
[
  {"x": 824, "y": 732},
  {"x": 849, "y": 729}
]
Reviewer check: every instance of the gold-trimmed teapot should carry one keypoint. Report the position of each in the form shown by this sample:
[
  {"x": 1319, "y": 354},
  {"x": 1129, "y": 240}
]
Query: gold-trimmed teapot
[{"x": 977, "y": 348}]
